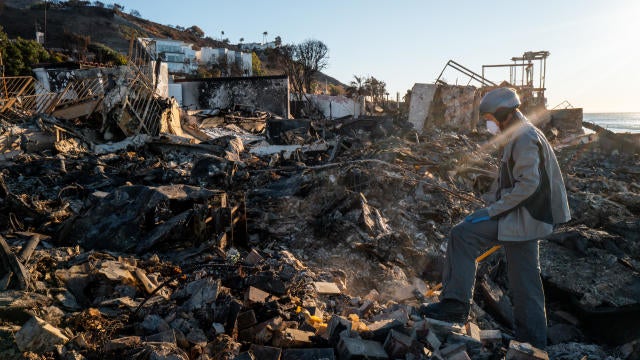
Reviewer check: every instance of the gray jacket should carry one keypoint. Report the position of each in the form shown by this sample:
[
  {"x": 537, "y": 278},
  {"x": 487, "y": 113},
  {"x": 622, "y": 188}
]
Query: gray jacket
[{"x": 531, "y": 195}]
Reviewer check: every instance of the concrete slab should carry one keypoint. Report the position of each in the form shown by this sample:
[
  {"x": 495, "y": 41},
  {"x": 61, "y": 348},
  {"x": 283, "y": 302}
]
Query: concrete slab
[
  {"x": 326, "y": 288},
  {"x": 355, "y": 349},
  {"x": 420, "y": 104},
  {"x": 525, "y": 351},
  {"x": 38, "y": 336},
  {"x": 308, "y": 354}
]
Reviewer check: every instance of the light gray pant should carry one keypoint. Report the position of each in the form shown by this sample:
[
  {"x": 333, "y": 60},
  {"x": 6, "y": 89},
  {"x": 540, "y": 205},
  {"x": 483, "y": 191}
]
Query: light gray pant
[{"x": 466, "y": 243}]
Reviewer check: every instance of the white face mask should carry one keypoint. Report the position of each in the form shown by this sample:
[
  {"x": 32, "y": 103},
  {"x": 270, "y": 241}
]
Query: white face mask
[{"x": 493, "y": 128}]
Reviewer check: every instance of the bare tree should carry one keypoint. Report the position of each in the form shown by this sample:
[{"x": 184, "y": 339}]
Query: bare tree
[
  {"x": 312, "y": 55},
  {"x": 288, "y": 63},
  {"x": 300, "y": 63}
]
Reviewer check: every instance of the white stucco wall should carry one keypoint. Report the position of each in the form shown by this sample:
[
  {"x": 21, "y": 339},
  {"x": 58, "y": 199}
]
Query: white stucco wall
[
  {"x": 210, "y": 55},
  {"x": 336, "y": 106},
  {"x": 421, "y": 99},
  {"x": 175, "y": 90},
  {"x": 247, "y": 63},
  {"x": 162, "y": 79}
]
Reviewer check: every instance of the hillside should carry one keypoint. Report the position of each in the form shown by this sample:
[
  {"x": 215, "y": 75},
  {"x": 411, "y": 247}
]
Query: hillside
[
  {"x": 102, "y": 25},
  {"x": 110, "y": 27}
]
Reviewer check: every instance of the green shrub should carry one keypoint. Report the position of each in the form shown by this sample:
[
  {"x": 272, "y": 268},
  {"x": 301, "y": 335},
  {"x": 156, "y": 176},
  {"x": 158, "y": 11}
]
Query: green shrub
[{"x": 106, "y": 55}]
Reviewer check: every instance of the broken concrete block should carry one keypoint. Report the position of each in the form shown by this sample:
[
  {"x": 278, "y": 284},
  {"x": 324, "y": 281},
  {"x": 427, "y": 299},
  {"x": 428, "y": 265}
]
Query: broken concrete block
[
  {"x": 337, "y": 324},
  {"x": 473, "y": 330},
  {"x": 401, "y": 314},
  {"x": 260, "y": 333},
  {"x": 197, "y": 337},
  {"x": 356, "y": 349},
  {"x": 117, "y": 272},
  {"x": 232, "y": 316},
  {"x": 253, "y": 258},
  {"x": 38, "y": 336},
  {"x": 53, "y": 315},
  {"x": 246, "y": 319},
  {"x": 153, "y": 324},
  {"x": 326, "y": 288},
  {"x": 218, "y": 328},
  {"x": 397, "y": 344},
  {"x": 379, "y": 330},
  {"x": 422, "y": 96},
  {"x": 308, "y": 354},
  {"x": 420, "y": 328},
  {"x": 164, "y": 351},
  {"x": 127, "y": 342},
  {"x": 265, "y": 352},
  {"x": 202, "y": 293},
  {"x": 442, "y": 328},
  {"x": 452, "y": 350},
  {"x": 255, "y": 295},
  {"x": 364, "y": 308},
  {"x": 491, "y": 336},
  {"x": 460, "y": 355},
  {"x": 525, "y": 351},
  {"x": 293, "y": 338},
  {"x": 287, "y": 272},
  {"x": 472, "y": 345},
  {"x": 432, "y": 341},
  {"x": 167, "y": 336},
  {"x": 268, "y": 282},
  {"x": 373, "y": 295}
]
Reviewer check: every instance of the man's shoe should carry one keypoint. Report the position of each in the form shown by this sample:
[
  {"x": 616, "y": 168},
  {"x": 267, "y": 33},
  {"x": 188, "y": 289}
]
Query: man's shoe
[{"x": 448, "y": 310}]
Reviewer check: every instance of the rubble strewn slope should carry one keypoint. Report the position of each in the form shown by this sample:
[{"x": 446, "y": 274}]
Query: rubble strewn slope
[{"x": 236, "y": 248}]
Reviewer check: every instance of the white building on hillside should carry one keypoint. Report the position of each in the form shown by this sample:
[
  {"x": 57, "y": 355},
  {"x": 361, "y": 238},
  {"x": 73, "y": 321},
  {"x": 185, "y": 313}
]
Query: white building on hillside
[
  {"x": 215, "y": 56},
  {"x": 257, "y": 46},
  {"x": 179, "y": 56}
]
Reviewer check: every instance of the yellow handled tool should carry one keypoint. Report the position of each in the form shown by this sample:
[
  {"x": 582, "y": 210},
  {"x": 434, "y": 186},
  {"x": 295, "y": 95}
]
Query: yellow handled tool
[
  {"x": 487, "y": 253},
  {"x": 478, "y": 259}
]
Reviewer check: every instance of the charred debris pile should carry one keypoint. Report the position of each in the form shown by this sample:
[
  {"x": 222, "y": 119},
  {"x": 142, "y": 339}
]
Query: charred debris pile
[{"x": 232, "y": 234}]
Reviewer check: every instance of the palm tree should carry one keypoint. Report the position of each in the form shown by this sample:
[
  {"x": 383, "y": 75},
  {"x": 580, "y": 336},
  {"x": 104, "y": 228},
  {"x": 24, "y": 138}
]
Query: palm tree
[
  {"x": 241, "y": 40},
  {"x": 221, "y": 34},
  {"x": 264, "y": 37},
  {"x": 356, "y": 86}
]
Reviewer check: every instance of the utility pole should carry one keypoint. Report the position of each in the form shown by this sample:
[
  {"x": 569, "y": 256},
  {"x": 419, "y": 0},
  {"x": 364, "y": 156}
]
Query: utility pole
[
  {"x": 44, "y": 40},
  {"x": 4, "y": 80}
]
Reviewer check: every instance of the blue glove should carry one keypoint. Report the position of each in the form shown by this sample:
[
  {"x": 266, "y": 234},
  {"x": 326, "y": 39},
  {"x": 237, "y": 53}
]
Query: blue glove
[{"x": 478, "y": 216}]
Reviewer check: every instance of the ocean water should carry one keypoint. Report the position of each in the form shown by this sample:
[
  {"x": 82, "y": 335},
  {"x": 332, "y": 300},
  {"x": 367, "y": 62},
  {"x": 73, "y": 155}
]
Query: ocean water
[{"x": 616, "y": 122}]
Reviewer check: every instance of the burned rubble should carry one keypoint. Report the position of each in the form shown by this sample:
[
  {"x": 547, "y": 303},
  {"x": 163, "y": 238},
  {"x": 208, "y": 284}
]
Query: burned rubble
[{"x": 234, "y": 234}]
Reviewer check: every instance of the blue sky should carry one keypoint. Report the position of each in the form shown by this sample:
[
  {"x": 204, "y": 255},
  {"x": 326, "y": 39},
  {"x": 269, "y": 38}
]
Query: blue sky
[{"x": 594, "y": 61}]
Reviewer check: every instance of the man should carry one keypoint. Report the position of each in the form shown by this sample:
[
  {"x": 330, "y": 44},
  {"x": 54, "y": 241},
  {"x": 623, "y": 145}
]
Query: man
[{"x": 530, "y": 199}]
